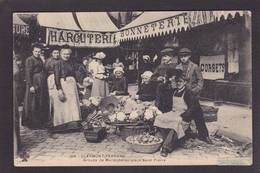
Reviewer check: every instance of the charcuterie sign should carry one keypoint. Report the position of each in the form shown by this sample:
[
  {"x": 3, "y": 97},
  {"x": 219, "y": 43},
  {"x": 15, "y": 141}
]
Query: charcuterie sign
[{"x": 80, "y": 38}]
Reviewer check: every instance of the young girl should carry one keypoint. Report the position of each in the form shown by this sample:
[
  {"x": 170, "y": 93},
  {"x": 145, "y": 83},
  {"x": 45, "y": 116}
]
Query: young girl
[
  {"x": 147, "y": 91},
  {"x": 119, "y": 82}
]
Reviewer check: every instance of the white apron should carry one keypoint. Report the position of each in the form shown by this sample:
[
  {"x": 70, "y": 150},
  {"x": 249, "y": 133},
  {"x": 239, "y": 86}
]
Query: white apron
[
  {"x": 172, "y": 119},
  {"x": 68, "y": 111}
]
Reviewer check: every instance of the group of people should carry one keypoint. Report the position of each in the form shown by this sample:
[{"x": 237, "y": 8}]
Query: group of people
[
  {"x": 56, "y": 89},
  {"x": 175, "y": 88}
]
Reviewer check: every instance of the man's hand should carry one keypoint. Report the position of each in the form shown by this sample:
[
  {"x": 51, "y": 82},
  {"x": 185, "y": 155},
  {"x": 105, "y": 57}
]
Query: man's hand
[{"x": 32, "y": 89}]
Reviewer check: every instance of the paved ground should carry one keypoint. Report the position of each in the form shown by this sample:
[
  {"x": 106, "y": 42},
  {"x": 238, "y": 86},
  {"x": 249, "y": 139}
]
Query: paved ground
[{"x": 72, "y": 148}]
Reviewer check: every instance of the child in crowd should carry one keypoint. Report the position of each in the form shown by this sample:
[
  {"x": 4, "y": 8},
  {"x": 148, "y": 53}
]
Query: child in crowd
[
  {"x": 147, "y": 91},
  {"x": 119, "y": 82}
]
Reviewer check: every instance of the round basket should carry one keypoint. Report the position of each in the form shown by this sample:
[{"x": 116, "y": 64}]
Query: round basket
[
  {"x": 131, "y": 130},
  {"x": 143, "y": 148}
]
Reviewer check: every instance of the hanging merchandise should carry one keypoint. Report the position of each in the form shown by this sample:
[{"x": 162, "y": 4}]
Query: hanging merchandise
[{"x": 232, "y": 53}]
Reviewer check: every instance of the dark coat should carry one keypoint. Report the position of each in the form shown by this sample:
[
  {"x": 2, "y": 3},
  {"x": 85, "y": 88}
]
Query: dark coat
[
  {"x": 119, "y": 85},
  {"x": 194, "y": 78},
  {"x": 147, "y": 92}
]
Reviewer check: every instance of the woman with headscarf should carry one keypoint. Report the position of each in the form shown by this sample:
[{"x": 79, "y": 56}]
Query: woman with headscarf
[
  {"x": 100, "y": 85},
  {"x": 66, "y": 113},
  {"x": 119, "y": 82}
]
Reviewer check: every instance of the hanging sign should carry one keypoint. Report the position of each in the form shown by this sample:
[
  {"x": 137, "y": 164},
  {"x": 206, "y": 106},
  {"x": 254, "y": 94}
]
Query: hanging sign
[
  {"x": 80, "y": 38},
  {"x": 197, "y": 18},
  {"x": 21, "y": 29},
  {"x": 213, "y": 67},
  {"x": 166, "y": 25}
]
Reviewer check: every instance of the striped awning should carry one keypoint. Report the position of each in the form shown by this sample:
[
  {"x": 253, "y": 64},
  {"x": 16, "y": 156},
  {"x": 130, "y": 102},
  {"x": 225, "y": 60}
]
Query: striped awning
[
  {"x": 19, "y": 27},
  {"x": 153, "y": 24}
]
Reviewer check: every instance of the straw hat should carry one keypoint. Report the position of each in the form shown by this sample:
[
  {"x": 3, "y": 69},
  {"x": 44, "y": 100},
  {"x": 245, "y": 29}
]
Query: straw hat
[
  {"x": 100, "y": 55},
  {"x": 118, "y": 69},
  {"x": 147, "y": 74}
]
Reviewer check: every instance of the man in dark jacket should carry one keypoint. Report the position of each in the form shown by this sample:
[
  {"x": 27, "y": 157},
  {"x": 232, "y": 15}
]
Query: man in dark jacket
[{"x": 191, "y": 71}]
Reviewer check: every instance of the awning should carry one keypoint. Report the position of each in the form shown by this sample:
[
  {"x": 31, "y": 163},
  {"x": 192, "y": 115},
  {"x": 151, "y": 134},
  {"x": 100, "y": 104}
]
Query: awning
[
  {"x": 60, "y": 20},
  {"x": 80, "y": 29},
  {"x": 19, "y": 27},
  {"x": 152, "y": 24},
  {"x": 95, "y": 21}
]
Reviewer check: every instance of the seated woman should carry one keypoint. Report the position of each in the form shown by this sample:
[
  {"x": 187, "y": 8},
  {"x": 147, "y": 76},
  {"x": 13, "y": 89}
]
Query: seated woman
[
  {"x": 147, "y": 88},
  {"x": 185, "y": 108},
  {"x": 119, "y": 82}
]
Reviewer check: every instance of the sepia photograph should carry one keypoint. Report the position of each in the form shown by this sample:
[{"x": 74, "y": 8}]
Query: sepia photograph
[{"x": 132, "y": 88}]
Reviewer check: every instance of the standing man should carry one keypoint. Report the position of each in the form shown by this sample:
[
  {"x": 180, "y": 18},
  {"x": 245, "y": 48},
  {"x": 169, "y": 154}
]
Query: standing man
[
  {"x": 191, "y": 71},
  {"x": 194, "y": 84},
  {"x": 35, "y": 103}
]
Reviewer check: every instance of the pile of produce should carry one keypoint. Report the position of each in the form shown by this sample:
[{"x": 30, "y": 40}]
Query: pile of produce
[
  {"x": 145, "y": 139},
  {"x": 131, "y": 112}
]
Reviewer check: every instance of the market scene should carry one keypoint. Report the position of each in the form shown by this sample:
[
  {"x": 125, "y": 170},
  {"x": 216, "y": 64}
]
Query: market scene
[{"x": 132, "y": 88}]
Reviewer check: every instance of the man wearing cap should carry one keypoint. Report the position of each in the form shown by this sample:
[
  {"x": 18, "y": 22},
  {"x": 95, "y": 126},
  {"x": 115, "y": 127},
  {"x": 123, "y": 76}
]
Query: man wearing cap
[
  {"x": 191, "y": 71},
  {"x": 168, "y": 63}
]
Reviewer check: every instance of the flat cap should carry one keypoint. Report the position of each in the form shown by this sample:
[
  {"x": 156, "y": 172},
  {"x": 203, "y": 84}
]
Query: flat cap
[{"x": 184, "y": 51}]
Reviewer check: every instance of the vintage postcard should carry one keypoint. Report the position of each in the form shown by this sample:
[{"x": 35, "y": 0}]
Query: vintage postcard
[{"x": 132, "y": 88}]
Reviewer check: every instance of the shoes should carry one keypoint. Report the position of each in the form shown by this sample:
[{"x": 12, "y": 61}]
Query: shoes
[
  {"x": 164, "y": 153},
  {"x": 206, "y": 139}
]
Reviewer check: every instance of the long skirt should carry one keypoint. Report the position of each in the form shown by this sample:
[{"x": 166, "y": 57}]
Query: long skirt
[
  {"x": 36, "y": 104},
  {"x": 99, "y": 88},
  {"x": 69, "y": 110}
]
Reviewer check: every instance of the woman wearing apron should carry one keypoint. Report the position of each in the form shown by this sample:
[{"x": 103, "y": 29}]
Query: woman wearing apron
[
  {"x": 175, "y": 124},
  {"x": 169, "y": 123},
  {"x": 66, "y": 110}
]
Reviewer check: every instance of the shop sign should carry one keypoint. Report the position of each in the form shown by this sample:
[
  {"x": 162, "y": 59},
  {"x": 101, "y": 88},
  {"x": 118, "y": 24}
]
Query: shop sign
[
  {"x": 21, "y": 29},
  {"x": 169, "y": 24},
  {"x": 197, "y": 18},
  {"x": 80, "y": 38},
  {"x": 213, "y": 67}
]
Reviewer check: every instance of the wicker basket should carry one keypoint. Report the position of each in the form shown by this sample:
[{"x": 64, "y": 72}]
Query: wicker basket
[
  {"x": 143, "y": 148},
  {"x": 130, "y": 130}
]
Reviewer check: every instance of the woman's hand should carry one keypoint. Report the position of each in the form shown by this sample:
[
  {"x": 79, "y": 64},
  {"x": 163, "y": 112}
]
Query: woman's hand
[
  {"x": 32, "y": 89},
  {"x": 61, "y": 95}
]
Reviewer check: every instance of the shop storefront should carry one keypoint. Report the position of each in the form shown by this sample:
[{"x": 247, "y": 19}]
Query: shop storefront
[
  {"x": 220, "y": 41},
  {"x": 85, "y": 32}
]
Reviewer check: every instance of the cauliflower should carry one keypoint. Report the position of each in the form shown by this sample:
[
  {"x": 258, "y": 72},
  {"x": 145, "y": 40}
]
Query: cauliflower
[
  {"x": 155, "y": 110},
  {"x": 112, "y": 117},
  {"x": 121, "y": 116},
  {"x": 133, "y": 115},
  {"x": 148, "y": 114}
]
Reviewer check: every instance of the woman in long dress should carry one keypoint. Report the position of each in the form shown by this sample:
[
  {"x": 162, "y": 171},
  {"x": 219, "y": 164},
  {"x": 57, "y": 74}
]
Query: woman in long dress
[
  {"x": 49, "y": 69},
  {"x": 66, "y": 113},
  {"x": 35, "y": 103},
  {"x": 100, "y": 85}
]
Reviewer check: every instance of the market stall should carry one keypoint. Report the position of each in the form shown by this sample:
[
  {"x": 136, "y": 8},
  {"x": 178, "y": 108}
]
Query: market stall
[
  {"x": 87, "y": 32},
  {"x": 213, "y": 37}
]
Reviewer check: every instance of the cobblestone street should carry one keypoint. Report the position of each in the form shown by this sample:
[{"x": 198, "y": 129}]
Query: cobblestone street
[{"x": 73, "y": 149}]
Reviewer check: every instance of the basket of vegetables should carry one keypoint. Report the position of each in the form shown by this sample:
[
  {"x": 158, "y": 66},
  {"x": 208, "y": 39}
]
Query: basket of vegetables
[{"x": 144, "y": 143}]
